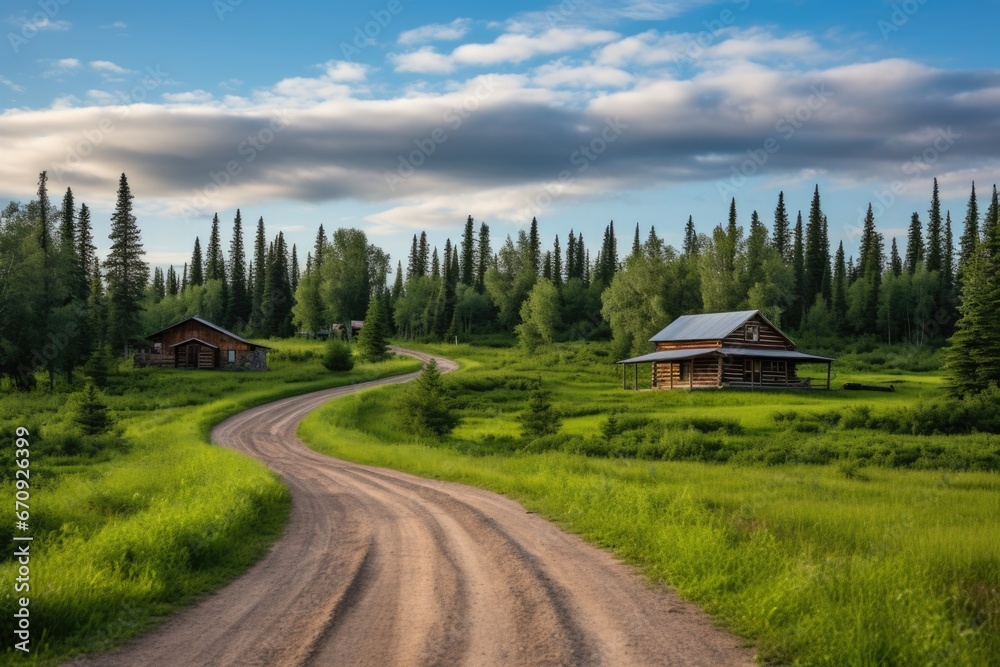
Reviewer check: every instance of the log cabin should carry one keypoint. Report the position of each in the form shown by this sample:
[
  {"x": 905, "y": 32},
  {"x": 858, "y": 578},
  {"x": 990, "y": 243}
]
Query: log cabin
[
  {"x": 198, "y": 344},
  {"x": 741, "y": 349}
]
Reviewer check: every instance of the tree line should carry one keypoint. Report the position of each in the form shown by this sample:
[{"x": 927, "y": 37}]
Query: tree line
[{"x": 59, "y": 303}]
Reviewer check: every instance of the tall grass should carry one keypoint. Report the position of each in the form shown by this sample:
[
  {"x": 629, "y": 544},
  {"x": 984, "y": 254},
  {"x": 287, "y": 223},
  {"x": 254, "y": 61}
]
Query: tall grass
[
  {"x": 124, "y": 536},
  {"x": 817, "y": 564}
]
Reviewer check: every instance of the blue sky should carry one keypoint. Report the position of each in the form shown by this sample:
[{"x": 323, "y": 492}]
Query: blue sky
[{"x": 395, "y": 115}]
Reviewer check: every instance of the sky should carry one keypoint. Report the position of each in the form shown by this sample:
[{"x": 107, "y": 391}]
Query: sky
[{"x": 396, "y": 116}]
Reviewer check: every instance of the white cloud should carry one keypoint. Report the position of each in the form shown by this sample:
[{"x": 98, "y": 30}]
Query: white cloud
[
  {"x": 190, "y": 97},
  {"x": 559, "y": 74},
  {"x": 511, "y": 47},
  {"x": 657, "y": 10},
  {"x": 39, "y": 23},
  {"x": 61, "y": 67},
  {"x": 117, "y": 25},
  {"x": 425, "y": 60},
  {"x": 10, "y": 84},
  {"x": 436, "y": 32},
  {"x": 342, "y": 70},
  {"x": 107, "y": 67}
]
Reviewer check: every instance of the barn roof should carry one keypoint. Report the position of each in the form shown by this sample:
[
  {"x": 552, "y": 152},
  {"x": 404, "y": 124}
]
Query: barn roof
[
  {"x": 712, "y": 326},
  {"x": 195, "y": 340},
  {"x": 211, "y": 326}
]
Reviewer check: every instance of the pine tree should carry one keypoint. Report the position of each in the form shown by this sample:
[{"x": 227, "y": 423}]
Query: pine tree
[
  {"x": 92, "y": 413},
  {"x": 973, "y": 357},
  {"x": 934, "y": 248},
  {"x": 125, "y": 270},
  {"x": 397, "y": 286},
  {"x": 44, "y": 222},
  {"x": 914, "y": 245},
  {"x": 636, "y": 243},
  {"x": 990, "y": 228},
  {"x": 582, "y": 260},
  {"x": 948, "y": 258},
  {"x": 734, "y": 235},
  {"x": 241, "y": 303},
  {"x": 435, "y": 264},
  {"x": 826, "y": 284},
  {"x": 557, "y": 268},
  {"x": 184, "y": 279},
  {"x": 483, "y": 259},
  {"x": 159, "y": 285},
  {"x": 413, "y": 264},
  {"x": 215, "y": 267},
  {"x": 468, "y": 264},
  {"x": 895, "y": 263},
  {"x": 607, "y": 261},
  {"x": 539, "y": 419},
  {"x": 781, "y": 235},
  {"x": 970, "y": 234},
  {"x": 870, "y": 270},
  {"x": 547, "y": 266}
]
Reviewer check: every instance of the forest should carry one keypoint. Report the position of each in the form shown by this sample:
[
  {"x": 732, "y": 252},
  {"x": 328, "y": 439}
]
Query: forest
[{"x": 61, "y": 305}]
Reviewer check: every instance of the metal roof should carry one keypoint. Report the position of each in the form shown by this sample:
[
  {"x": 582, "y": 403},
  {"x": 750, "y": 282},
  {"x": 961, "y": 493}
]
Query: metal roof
[
  {"x": 712, "y": 326},
  {"x": 753, "y": 352},
  {"x": 211, "y": 326},
  {"x": 786, "y": 355},
  {"x": 670, "y": 355}
]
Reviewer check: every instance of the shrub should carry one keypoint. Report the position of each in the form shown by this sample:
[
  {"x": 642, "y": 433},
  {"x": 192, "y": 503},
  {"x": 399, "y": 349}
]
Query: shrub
[
  {"x": 338, "y": 356},
  {"x": 91, "y": 413}
]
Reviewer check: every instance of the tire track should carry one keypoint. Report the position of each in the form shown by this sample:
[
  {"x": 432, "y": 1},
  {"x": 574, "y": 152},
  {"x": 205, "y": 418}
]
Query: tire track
[{"x": 378, "y": 567}]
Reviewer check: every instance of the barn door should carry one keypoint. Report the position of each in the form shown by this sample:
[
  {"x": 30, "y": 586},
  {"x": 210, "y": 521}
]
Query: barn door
[
  {"x": 756, "y": 372},
  {"x": 192, "y": 356}
]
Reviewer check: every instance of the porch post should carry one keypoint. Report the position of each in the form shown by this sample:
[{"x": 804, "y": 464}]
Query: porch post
[
  {"x": 623, "y": 375},
  {"x": 828, "y": 364},
  {"x": 636, "y": 377},
  {"x": 691, "y": 378},
  {"x": 671, "y": 371}
]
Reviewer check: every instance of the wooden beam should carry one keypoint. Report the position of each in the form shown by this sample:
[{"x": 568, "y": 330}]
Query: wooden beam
[{"x": 828, "y": 365}]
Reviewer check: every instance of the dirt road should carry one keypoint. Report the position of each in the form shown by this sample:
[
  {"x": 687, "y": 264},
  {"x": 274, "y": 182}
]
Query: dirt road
[{"x": 382, "y": 568}]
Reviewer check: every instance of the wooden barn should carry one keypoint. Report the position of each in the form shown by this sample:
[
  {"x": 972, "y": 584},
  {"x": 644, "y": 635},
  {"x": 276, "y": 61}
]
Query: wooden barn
[
  {"x": 741, "y": 349},
  {"x": 198, "y": 344}
]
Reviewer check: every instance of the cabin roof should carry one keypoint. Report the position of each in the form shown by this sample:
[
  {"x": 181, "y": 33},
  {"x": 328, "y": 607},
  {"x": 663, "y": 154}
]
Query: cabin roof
[
  {"x": 211, "y": 326},
  {"x": 751, "y": 352},
  {"x": 711, "y": 326},
  {"x": 195, "y": 340}
]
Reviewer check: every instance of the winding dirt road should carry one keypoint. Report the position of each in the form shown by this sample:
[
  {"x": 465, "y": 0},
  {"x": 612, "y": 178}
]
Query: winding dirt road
[{"x": 382, "y": 568}]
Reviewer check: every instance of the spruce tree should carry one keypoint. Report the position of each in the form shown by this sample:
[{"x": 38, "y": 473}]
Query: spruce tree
[
  {"x": 948, "y": 257},
  {"x": 914, "y": 245},
  {"x": 294, "y": 269},
  {"x": 412, "y": 266},
  {"x": 435, "y": 264},
  {"x": 990, "y": 228},
  {"x": 423, "y": 255},
  {"x": 636, "y": 243},
  {"x": 557, "y": 268},
  {"x": 733, "y": 236},
  {"x": 535, "y": 245},
  {"x": 86, "y": 252},
  {"x": 468, "y": 263},
  {"x": 197, "y": 275},
  {"x": 690, "y": 247},
  {"x": 173, "y": 286},
  {"x": 934, "y": 248},
  {"x": 214, "y": 264},
  {"x": 796, "y": 313},
  {"x": 125, "y": 270},
  {"x": 397, "y": 286},
  {"x": 571, "y": 270},
  {"x": 814, "y": 253},
  {"x": 373, "y": 341},
  {"x": 547, "y": 266},
  {"x": 319, "y": 248},
  {"x": 259, "y": 279},
  {"x": 781, "y": 235},
  {"x": 484, "y": 257},
  {"x": 582, "y": 260},
  {"x": 970, "y": 234},
  {"x": 241, "y": 302},
  {"x": 895, "y": 263},
  {"x": 839, "y": 305}
]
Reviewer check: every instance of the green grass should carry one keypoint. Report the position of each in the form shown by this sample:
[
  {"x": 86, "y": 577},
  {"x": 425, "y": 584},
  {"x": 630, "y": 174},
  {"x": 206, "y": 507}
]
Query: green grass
[
  {"x": 129, "y": 532},
  {"x": 857, "y": 559}
]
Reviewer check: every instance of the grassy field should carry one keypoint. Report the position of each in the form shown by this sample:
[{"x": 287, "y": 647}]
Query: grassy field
[
  {"x": 808, "y": 522},
  {"x": 131, "y": 526}
]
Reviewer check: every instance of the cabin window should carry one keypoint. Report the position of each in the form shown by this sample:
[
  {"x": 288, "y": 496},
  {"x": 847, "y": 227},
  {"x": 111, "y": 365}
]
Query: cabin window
[
  {"x": 232, "y": 356},
  {"x": 685, "y": 371},
  {"x": 748, "y": 370},
  {"x": 776, "y": 366},
  {"x": 752, "y": 333},
  {"x": 158, "y": 348}
]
